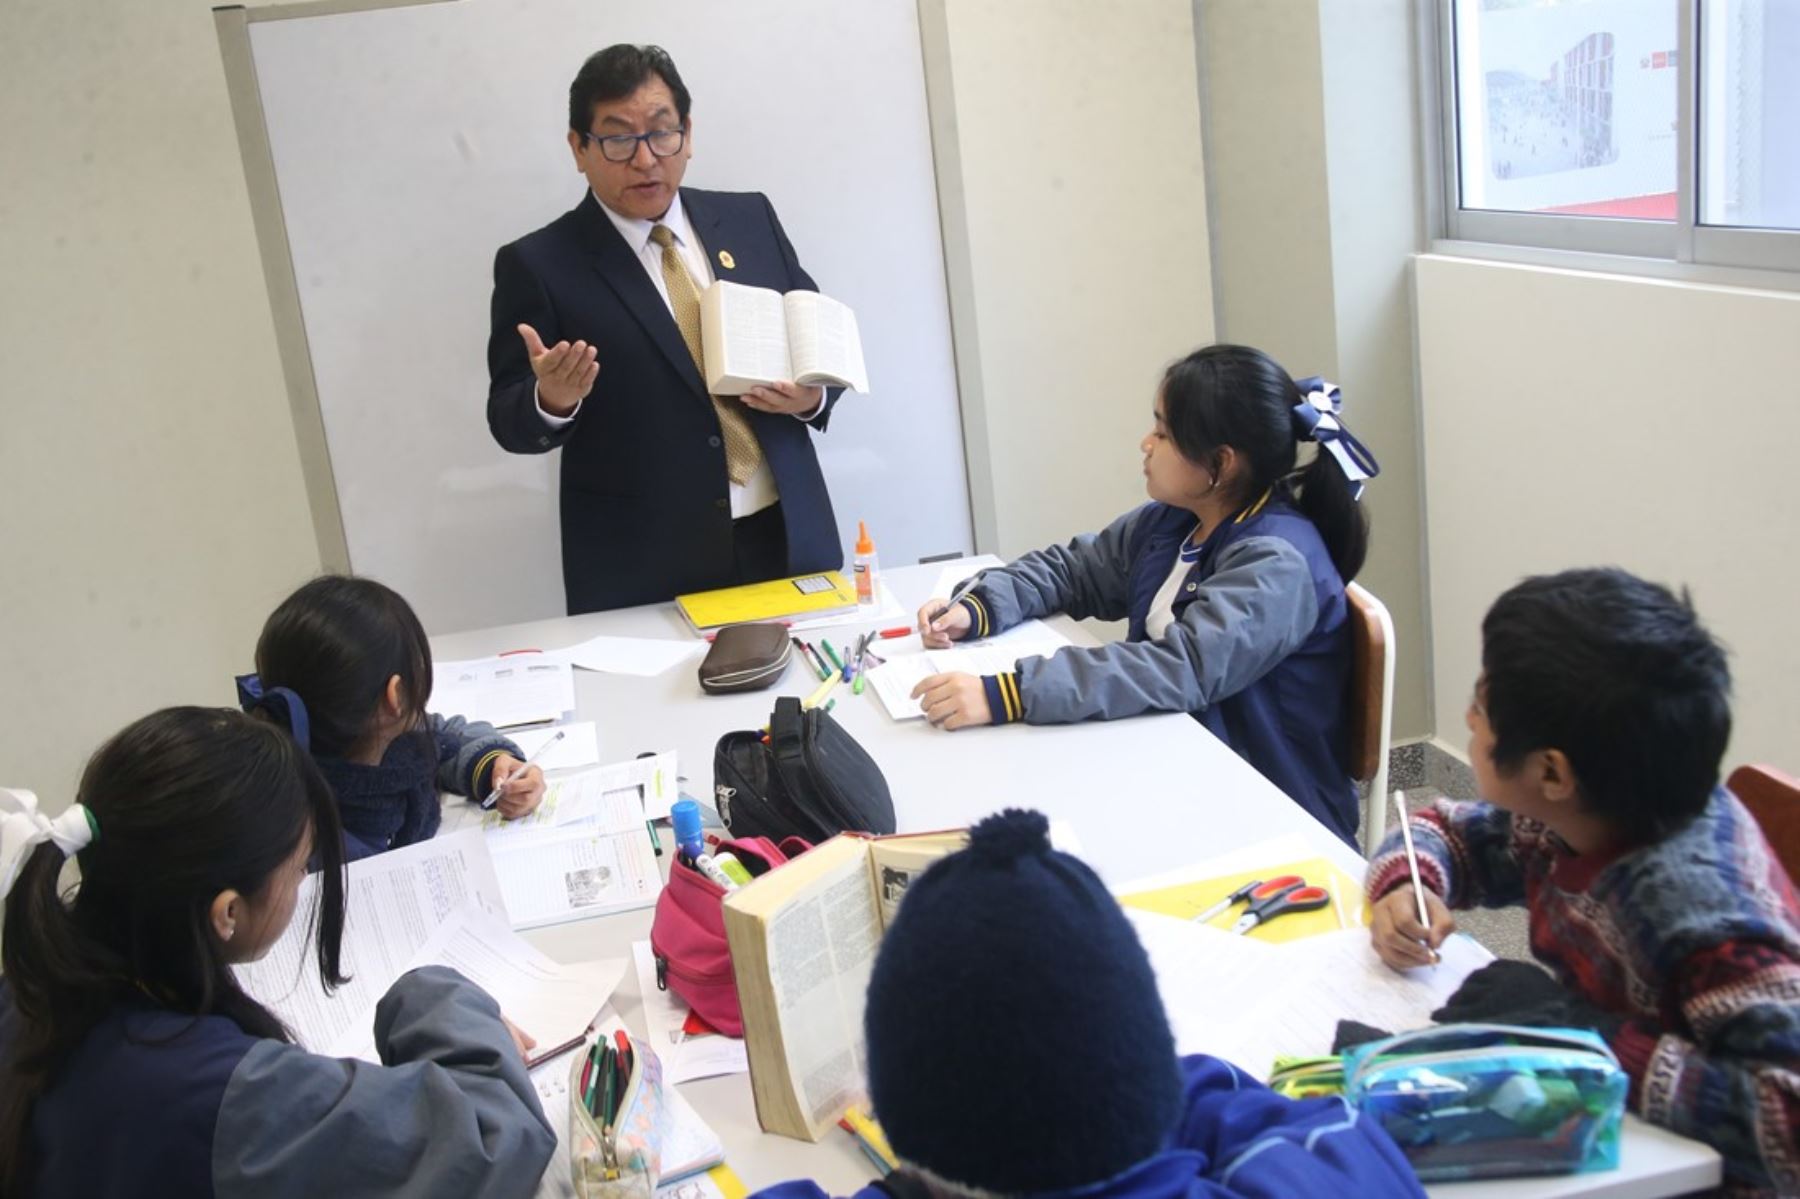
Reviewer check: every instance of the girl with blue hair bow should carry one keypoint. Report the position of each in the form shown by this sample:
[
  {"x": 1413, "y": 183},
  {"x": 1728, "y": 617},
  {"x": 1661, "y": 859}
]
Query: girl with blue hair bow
[{"x": 1231, "y": 577}]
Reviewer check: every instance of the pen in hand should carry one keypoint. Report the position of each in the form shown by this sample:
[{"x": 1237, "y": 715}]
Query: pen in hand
[
  {"x": 957, "y": 595},
  {"x": 493, "y": 797},
  {"x": 1412, "y": 866}
]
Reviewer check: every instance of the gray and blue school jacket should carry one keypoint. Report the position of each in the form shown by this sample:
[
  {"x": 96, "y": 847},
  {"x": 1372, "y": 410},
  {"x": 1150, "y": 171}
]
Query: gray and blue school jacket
[
  {"x": 1258, "y": 651},
  {"x": 155, "y": 1102}
]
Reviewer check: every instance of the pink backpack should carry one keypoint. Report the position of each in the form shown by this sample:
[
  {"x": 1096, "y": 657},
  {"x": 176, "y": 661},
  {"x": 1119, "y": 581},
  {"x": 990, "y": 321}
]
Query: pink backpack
[{"x": 688, "y": 934}]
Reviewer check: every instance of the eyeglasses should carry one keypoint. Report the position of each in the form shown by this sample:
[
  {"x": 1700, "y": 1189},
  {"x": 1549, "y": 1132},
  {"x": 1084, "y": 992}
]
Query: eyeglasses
[{"x": 622, "y": 147}]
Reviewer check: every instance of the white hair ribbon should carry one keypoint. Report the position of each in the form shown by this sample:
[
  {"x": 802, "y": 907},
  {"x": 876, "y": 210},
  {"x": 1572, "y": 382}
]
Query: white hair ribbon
[{"x": 23, "y": 828}]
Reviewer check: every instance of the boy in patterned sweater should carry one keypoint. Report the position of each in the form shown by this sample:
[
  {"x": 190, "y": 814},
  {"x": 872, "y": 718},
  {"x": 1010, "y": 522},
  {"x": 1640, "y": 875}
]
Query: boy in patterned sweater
[{"x": 1596, "y": 732}]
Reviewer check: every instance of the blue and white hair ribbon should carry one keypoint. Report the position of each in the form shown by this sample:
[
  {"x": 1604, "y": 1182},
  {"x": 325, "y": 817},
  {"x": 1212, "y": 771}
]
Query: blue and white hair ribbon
[
  {"x": 1318, "y": 418},
  {"x": 23, "y": 828}
]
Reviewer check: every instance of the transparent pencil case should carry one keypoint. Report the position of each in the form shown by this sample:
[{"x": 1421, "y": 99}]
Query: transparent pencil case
[
  {"x": 1493, "y": 1100},
  {"x": 622, "y": 1160}
]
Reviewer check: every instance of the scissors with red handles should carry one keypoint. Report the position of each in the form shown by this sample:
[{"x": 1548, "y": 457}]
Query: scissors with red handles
[
  {"x": 1278, "y": 897},
  {"x": 1245, "y": 893}
]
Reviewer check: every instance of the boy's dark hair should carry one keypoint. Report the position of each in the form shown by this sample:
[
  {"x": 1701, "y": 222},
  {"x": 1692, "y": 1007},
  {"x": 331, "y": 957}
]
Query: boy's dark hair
[
  {"x": 1619, "y": 675},
  {"x": 615, "y": 73},
  {"x": 187, "y": 803},
  {"x": 1236, "y": 396},
  {"x": 336, "y": 642}
]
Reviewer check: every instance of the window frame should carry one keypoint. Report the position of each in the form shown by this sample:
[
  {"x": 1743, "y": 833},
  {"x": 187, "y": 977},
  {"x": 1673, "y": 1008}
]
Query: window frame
[{"x": 1683, "y": 241}]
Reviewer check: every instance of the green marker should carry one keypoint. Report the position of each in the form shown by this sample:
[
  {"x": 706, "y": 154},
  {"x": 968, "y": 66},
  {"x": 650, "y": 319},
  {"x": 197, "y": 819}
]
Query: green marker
[{"x": 832, "y": 654}]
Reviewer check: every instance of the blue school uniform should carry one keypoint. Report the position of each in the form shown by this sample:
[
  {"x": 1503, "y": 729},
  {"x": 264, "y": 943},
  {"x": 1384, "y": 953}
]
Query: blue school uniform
[
  {"x": 395, "y": 803},
  {"x": 154, "y": 1103},
  {"x": 1236, "y": 1138},
  {"x": 1258, "y": 650}
]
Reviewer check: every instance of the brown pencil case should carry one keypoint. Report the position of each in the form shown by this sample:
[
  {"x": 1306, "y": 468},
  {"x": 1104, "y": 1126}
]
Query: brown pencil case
[{"x": 745, "y": 657}]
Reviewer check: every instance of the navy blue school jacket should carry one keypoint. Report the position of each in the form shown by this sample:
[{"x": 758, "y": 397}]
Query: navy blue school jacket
[
  {"x": 1258, "y": 652},
  {"x": 1237, "y": 1140}
]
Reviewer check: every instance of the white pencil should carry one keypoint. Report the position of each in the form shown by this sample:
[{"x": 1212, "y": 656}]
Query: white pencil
[
  {"x": 487, "y": 805},
  {"x": 1412, "y": 865}
]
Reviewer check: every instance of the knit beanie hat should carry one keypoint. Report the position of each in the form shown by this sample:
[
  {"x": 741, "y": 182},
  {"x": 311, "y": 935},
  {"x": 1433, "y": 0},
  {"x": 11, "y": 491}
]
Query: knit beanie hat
[{"x": 1016, "y": 1041}]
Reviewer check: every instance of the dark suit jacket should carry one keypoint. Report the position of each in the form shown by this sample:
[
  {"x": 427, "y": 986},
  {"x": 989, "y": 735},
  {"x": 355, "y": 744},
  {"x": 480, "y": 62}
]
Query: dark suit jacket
[{"x": 646, "y": 510}]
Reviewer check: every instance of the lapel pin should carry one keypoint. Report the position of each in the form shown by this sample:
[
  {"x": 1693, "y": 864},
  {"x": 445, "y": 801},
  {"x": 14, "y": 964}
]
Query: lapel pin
[{"x": 727, "y": 261}]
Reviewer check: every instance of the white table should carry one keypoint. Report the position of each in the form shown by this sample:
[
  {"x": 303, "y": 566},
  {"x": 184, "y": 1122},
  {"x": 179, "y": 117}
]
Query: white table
[{"x": 1141, "y": 796}]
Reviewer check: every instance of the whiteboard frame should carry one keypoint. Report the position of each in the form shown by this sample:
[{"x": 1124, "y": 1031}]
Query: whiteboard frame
[{"x": 232, "y": 24}]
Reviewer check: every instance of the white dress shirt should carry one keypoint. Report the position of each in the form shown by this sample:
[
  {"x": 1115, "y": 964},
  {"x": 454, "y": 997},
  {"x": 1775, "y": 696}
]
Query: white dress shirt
[{"x": 758, "y": 491}]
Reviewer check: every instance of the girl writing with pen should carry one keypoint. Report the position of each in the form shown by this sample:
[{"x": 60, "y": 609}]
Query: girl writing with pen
[
  {"x": 345, "y": 663},
  {"x": 1232, "y": 578},
  {"x": 132, "y": 1064}
]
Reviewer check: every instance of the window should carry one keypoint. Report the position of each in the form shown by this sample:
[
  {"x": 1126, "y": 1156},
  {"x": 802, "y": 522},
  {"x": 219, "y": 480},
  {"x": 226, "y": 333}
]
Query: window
[
  {"x": 1750, "y": 114},
  {"x": 1611, "y": 125}
]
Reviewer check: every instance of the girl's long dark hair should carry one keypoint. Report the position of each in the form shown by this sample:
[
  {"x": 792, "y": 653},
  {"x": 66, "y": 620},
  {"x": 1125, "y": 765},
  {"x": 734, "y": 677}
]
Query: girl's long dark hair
[
  {"x": 189, "y": 802},
  {"x": 336, "y": 642},
  {"x": 1235, "y": 396}
]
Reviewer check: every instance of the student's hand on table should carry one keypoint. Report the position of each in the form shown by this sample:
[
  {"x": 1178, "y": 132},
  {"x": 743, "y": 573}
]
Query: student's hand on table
[
  {"x": 522, "y": 789},
  {"x": 565, "y": 373},
  {"x": 953, "y": 701},
  {"x": 523, "y": 1041},
  {"x": 783, "y": 396},
  {"x": 940, "y": 624},
  {"x": 1396, "y": 934}
]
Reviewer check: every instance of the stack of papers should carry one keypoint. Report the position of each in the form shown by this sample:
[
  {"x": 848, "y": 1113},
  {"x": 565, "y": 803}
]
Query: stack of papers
[
  {"x": 435, "y": 903},
  {"x": 506, "y": 690},
  {"x": 894, "y": 680},
  {"x": 555, "y": 1004},
  {"x": 585, "y": 851}
]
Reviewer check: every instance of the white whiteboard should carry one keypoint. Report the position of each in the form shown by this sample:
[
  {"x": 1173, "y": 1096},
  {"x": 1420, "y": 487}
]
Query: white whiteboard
[{"x": 410, "y": 143}]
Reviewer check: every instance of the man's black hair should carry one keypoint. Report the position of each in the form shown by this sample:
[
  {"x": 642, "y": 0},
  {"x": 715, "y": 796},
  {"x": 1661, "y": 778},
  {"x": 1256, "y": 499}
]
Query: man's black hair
[
  {"x": 1619, "y": 675},
  {"x": 615, "y": 73}
]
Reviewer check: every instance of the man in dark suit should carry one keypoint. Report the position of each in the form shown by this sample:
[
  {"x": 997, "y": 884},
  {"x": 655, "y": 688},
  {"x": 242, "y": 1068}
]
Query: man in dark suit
[{"x": 595, "y": 348}]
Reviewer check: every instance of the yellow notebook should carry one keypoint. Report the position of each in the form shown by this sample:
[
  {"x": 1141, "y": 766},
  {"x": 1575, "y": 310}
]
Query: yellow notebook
[
  {"x": 1187, "y": 900},
  {"x": 825, "y": 594}
]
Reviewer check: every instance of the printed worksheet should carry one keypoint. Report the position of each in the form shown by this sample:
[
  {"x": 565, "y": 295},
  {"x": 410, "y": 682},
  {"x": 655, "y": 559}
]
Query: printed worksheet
[
  {"x": 394, "y": 903},
  {"x": 507, "y": 690}
]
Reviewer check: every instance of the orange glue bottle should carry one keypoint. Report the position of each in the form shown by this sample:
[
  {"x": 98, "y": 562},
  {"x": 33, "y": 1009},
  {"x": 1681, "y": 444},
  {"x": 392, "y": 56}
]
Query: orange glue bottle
[{"x": 864, "y": 567}]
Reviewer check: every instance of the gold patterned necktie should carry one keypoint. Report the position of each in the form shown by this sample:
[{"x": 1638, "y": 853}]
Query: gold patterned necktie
[{"x": 743, "y": 454}]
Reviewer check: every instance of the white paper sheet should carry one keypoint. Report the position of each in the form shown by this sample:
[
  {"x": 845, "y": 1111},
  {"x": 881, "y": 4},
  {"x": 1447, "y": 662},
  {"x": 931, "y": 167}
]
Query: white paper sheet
[
  {"x": 395, "y": 902},
  {"x": 1249, "y": 1001},
  {"x": 665, "y": 1015},
  {"x": 894, "y": 680},
  {"x": 553, "y": 1003},
  {"x": 955, "y": 572},
  {"x": 571, "y": 872},
  {"x": 579, "y": 747},
  {"x": 512, "y": 689},
  {"x": 643, "y": 656}
]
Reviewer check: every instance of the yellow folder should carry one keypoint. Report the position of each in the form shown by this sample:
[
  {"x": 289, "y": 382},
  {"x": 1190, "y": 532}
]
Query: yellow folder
[
  {"x": 1187, "y": 900},
  {"x": 824, "y": 594}
]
